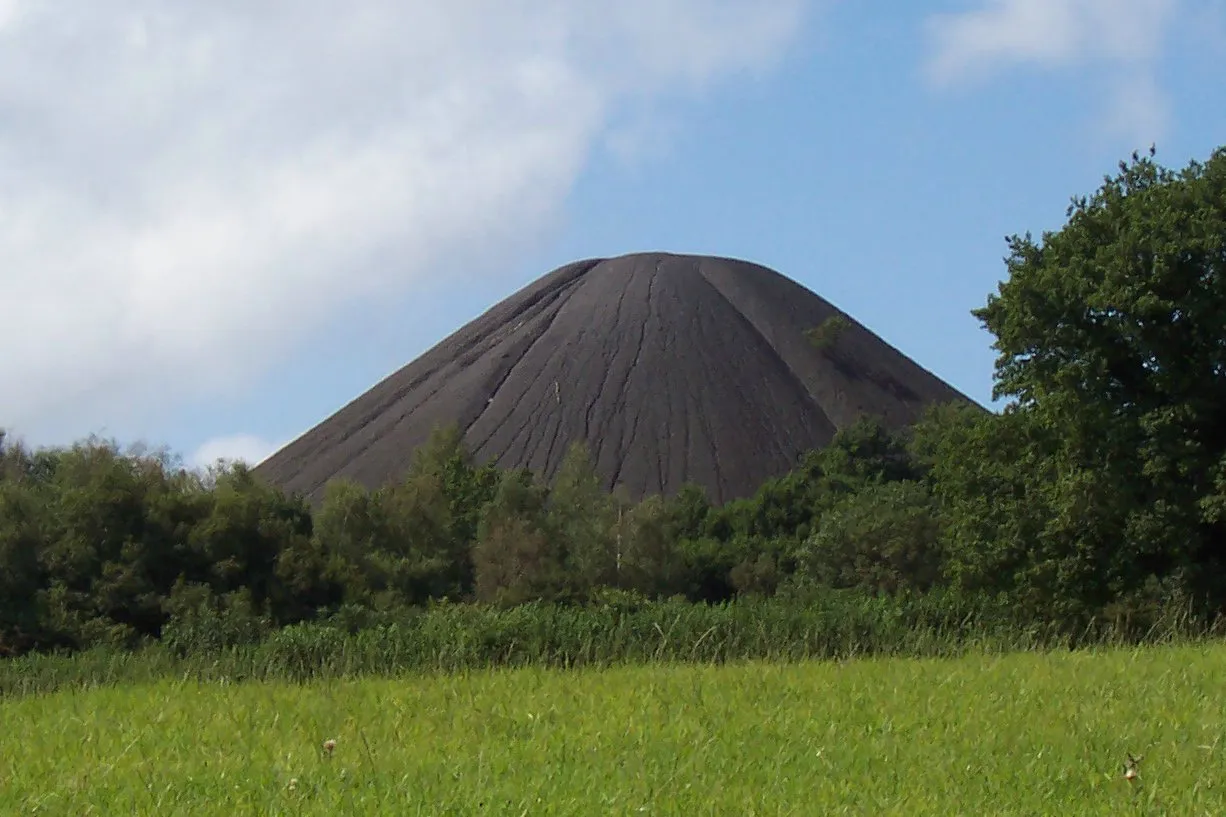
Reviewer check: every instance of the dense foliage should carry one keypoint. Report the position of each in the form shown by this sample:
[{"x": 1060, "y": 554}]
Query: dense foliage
[{"x": 1099, "y": 491}]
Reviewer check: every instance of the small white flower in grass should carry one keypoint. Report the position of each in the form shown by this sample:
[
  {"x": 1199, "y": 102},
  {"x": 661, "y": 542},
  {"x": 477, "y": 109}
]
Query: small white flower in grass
[
  {"x": 293, "y": 783},
  {"x": 1130, "y": 767},
  {"x": 329, "y": 745}
]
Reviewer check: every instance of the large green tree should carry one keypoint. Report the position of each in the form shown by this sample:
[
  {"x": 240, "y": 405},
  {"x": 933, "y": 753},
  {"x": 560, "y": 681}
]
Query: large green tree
[{"x": 1111, "y": 333}]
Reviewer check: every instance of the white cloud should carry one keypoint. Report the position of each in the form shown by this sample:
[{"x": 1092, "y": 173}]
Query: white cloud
[
  {"x": 186, "y": 189},
  {"x": 645, "y": 138},
  {"x": 1137, "y": 108},
  {"x": 1122, "y": 39},
  {"x": 245, "y": 447}
]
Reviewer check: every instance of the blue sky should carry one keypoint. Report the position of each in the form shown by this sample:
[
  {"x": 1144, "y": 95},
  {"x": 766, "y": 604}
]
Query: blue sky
[{"x": 189, "y": 210}]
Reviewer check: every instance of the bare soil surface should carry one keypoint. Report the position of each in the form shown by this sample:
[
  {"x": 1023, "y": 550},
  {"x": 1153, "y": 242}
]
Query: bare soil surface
[{"x": 673, "y": 369}]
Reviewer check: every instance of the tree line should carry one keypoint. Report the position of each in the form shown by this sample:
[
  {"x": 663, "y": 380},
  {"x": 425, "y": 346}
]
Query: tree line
[{"x": 1099, "y": 489}]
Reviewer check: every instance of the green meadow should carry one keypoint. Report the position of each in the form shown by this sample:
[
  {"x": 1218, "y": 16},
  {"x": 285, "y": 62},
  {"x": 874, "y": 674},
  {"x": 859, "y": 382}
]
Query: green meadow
[{"x": 1018, "y": 734}]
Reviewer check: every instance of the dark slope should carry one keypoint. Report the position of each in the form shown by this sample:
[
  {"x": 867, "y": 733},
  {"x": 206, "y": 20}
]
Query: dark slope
[{"x": 673, "y": 368}]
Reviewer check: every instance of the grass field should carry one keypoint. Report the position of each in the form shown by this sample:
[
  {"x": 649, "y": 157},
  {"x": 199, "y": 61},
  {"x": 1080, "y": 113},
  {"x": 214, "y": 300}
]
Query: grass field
[{"x": 1023, "y": 734}]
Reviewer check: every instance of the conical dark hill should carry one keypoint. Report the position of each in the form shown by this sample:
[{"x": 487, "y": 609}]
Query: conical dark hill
[{"x": 673, "y": 368}]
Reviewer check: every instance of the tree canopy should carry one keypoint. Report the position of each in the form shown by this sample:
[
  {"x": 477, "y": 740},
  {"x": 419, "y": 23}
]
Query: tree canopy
[{"x": 1111, "y": 333}]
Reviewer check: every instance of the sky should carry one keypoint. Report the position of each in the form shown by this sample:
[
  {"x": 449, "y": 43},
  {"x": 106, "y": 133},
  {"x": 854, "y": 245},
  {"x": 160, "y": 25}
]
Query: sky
[{"x": 220, "y": 222}]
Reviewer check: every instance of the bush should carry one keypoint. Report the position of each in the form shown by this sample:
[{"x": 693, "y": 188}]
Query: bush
[{"x": 884, "y": 538}]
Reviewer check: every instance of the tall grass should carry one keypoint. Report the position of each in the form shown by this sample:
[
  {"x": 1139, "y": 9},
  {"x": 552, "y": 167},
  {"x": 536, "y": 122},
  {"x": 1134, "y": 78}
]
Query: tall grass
[
  {"x": 1018, "y": 734},
  {"x": 453, "y": 637}
]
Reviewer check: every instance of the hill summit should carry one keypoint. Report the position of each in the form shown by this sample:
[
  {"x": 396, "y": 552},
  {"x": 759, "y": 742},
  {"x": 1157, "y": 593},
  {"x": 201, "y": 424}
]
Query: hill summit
[{"x": 672, "y": 368}]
